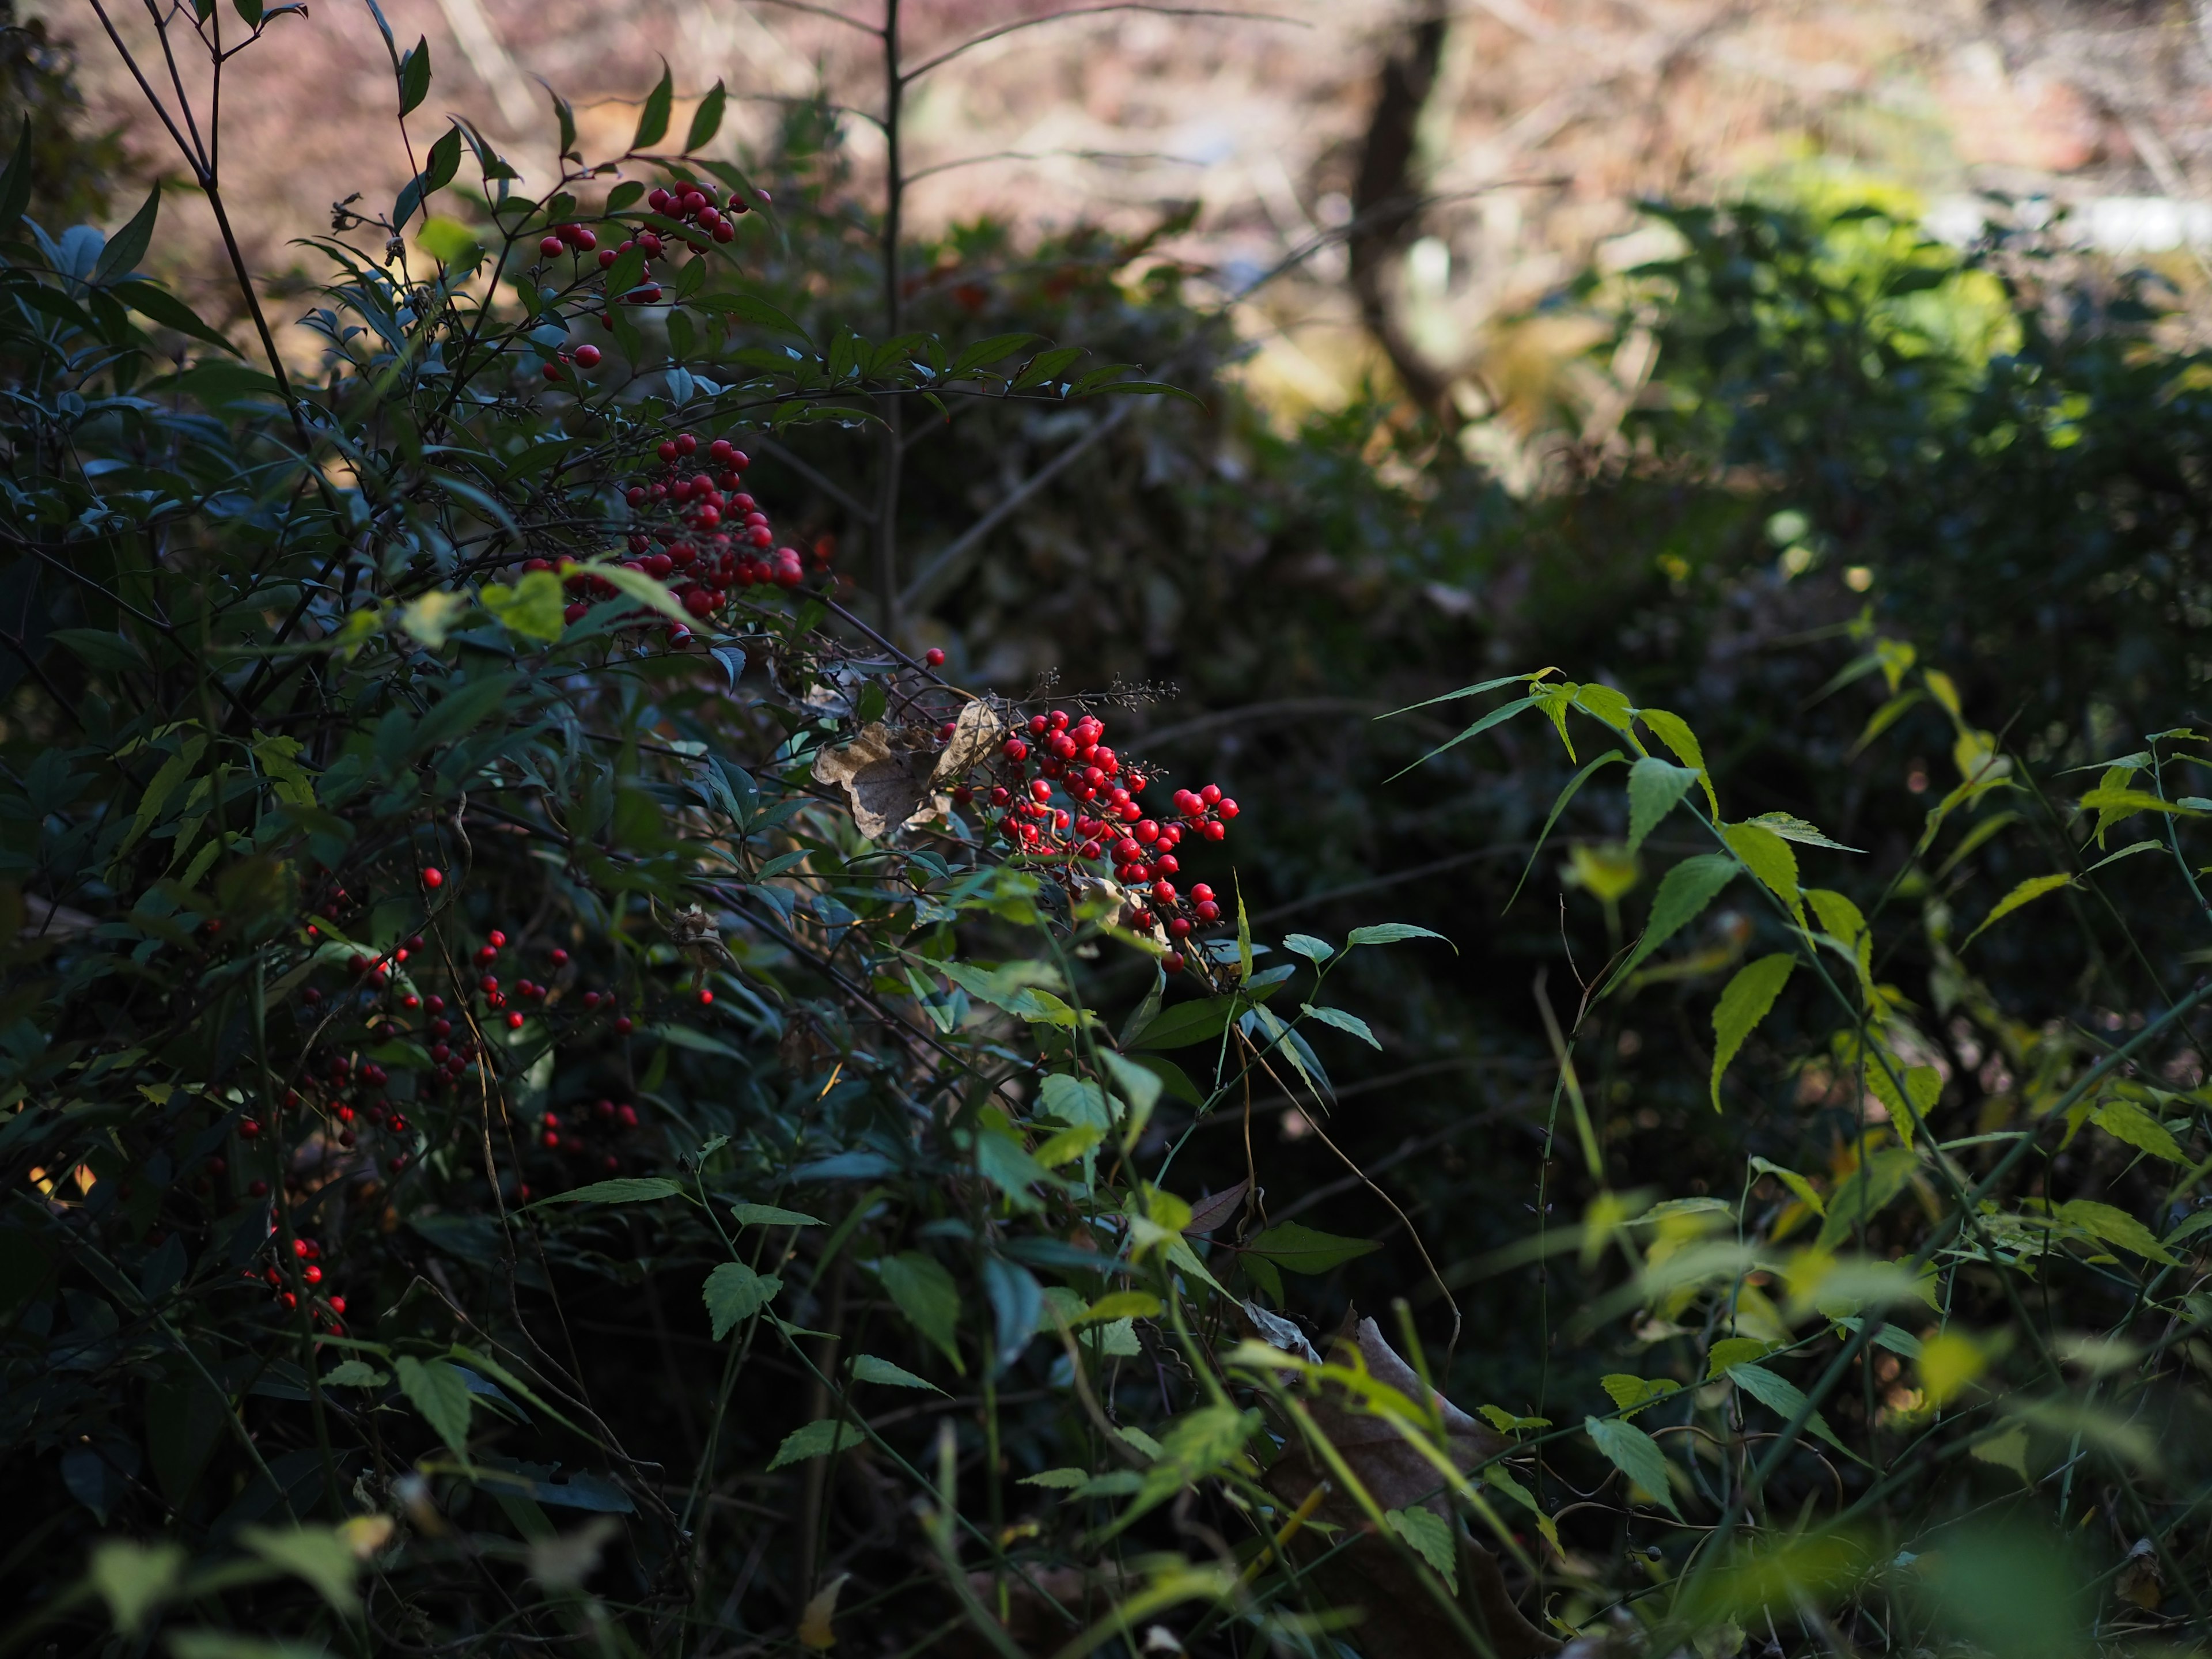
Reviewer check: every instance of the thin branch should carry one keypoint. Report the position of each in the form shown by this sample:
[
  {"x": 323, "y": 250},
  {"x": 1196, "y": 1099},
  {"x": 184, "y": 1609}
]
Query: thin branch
[
  {"x": 833, "y": 15},
  {"x": 1004, "y": 30}
]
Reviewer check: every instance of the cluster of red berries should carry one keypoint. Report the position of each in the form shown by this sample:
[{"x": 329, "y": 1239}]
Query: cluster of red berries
[
  {"x": 697, "y": 531},
  {"x": 606, "y": 1116},
  {"x": 698, "y": 222},
  {"x": 1065, "y": 758},
  {"x": 327, "y": 1309}
]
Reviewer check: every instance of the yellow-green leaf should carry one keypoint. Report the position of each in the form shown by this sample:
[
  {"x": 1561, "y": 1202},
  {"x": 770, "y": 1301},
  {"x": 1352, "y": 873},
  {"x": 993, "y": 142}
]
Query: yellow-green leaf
[
  {"x": 2124, "y": 1120},
  {"x": 2026, "y": 893},
  {"x": 1743, "y": 1004},
  {"x": 1768, "y": 857},
  {"x": 533, "y": 607}
]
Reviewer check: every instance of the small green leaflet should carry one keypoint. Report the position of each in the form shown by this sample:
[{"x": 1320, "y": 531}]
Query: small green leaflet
[
  {"x": 1120, "y": 1305},
  {"x": 1865, "y": 1193},
  {"x": 1682, "y": 742},
  {"x": 1633, "y": 1394},
  {"x": 1796, "y": 1182},
  {"x": 440, "y": 1392},
  {"x": 1392, "y": 932},
  {"x": 317, "y": 1554},
  {"x": 653, "y": 120},
  {"x": 134, "y": 1579},
  {"x": 1768, "y": 857},
  {"x": 1743, "y": 1004},
  {"x": 1341, "y": 1021},
  {"x": 922, "y": 1289},
  {"x": 1636, "y": 1455},
  {"x": 1655, "y": 789},
  {"x": 815, "y": 1440},
  {"x": 1506, "y": 1423},
  {"x": 734, "y": 1293},
  {"x": 1574, "y": 786},
  {"x": 2115, "y": 1227},
  {"x": 2124, "y": 1120},
  {"x": 1054, "y": 1479},
  {"x": 1430, "y": 1536},
  {"x": 1844, "y": 923},
  {"x": 1298, "y": 1249},
  {"x": 2026, "y": 893},
  {"x": 866, "y": 1368},
  {"x": 353, "y": 1374},
  {"x": 1735, "y": 1351},
  {"x": 768, "y": 1215},
  {"x": 705, "y": 120},
  {"x": 1790, "y": 827},
  {"x": 625, "y": 1189},
  {"x": 1684, "y": 893},
  {"x": 1786, "y": 1399},
  {"x": 1305, "y": 945}
]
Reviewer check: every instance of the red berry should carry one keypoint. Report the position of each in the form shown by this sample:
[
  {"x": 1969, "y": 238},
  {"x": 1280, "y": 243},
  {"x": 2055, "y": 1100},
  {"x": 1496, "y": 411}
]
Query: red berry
[
  {"x": 248, "y": 1129},
  {"x": 433, "y": 878},
  {"x": 1015, "y": 749},
  {"x": 258, "y": 1189},
  {"x": 705, "y": 997},
  {"x": 626, "y": 1116},
  {"x": 1172, "y": 962},
  {"x": 624, "y": 1026},
  {"x": 933, "y": 658},
  {"x": 587, "y": 356},
  {"x": 552, "y": 247}
]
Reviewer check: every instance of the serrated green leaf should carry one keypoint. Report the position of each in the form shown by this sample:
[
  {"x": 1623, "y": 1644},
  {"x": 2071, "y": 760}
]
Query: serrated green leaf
[
  {"x": 1744, "y": 1002},
  {"x": 1768, "y": 857},
  {"x": 1636, "y": 1455},
  {"x": 922, "y": 1289},
  {"x": 815, "y": 1440},
  {"x": 1633, "y": 1394},
  {"x": 1338, "y": 1019},
  {"x": 2025, "y": 892},
  {"x": 2115, "y": 1227},
  {"x": 1784, "y": 1398},
  {"x": 1655, "y": 788},
  {"x": 1674, "y": 732},
  {"x": 1684, "y": 893},
  {"x": 440, "y": 1392},
  {"x": 734, "y": 1293},
  {"x": 624, "y": 1189},
  {"x": 1430, "y": 1536},
  {"x": 866, "y": 1368},
  {"x": 1393, "y": 932},
  {"x": 768, "y": 1215},
  {"x": 2124, "y": 1120}
]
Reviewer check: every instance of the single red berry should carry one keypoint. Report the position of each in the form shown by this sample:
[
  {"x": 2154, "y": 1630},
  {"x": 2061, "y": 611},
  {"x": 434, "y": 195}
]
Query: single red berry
[
  {"x": 624, "y": 1026},
  {"x": 433, "y": 878},
  {"x": 626, "y": 1116},
  {"x": 1172, "y": 962},
  {"x": 933, "y": 658},
  {"x": 587, "y": 356},
  {"x": 552, "y": 247},
  {"x": 705, "y": 997},
  {"x": 258, "y": 1189}
]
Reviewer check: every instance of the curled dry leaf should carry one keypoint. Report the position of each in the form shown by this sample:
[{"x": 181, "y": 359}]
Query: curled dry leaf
[
  {"x": 887, "y": 773},
  {"x": 1402, "y": 1621},
  {"x": 976, "y": 737}
]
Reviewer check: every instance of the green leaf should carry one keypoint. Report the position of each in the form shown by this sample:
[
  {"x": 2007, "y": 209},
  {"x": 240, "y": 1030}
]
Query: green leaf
[
  {"x": 1633, "y": 1394},
  {"x": 2115, "y": 1227},
  {"x": 1187, "y": 1023},
  {"x": 165, "y": 309},
  {"x": 1844, "y": 923},
  {"x": 354, "y": 1374},
  {"x": 646, "y": 590},
  {"x": 1343, "y": 1022},
  {"x": 222, "y": 1644},
  {"x": 1785, "y": 1399},
  {"x": 1316, "y": 951},
  {"x": 1054, "y": 1479},
  {"x": 983, "y": 353},
  {"x": 1792, "y": 828},
  {"x": 652, "y": 120},
  {"x": 1391, "y": 932},
  {"x": 1120, "y": 1305},
  {"x": 1655, "y": 788},
  {"x": 1574, "y": 786},
  {"x": 439, "y": 168},
  {"x": 922, "y": 1289},
  {"x": 128, "y": 245},
  {"x": 1636, "y": 1455},
  {"x": 317, "y": 1554},
  {"x": 1295, "y": 1248},
  {"x": 705, "y": 120},
  {"x": 624, "y": 1189},
  {"x": 533, "y": 607},
  {"x": 734, "y": 1293},
  {"x": 452, "y": 243},
  {"x": 415, "y": 76},
  {"x": 440, "y": 1392},
  {"x": 1865, "y": 1193},
  {"x": 2026, "y": 893},
  {"x": 815, "y": 1440},
  {"x": 1684, "y": 893},
  {"x": 1682, "y": 742},
  {"x": 2124, "y": 1120},
  {"x": 1744, "y": 1002},
  {"x": 768, "y": 1215},
  {"x": 16, "y": 184},
  {"x": 1497, "y": 716},
  {"x": 1735, "y": 1351},
  {"x": 1768, "y": 857},
  {"x": 1430, "y": 1536},
  {"x": 866, "y": 1368},
  {"x": 1796, "y": 1182},
  {"x": 134, "y": 1579}
]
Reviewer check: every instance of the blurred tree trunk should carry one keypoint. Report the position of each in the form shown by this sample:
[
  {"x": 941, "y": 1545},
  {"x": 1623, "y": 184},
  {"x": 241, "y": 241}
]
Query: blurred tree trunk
[{"x": 1387, "y": 202}]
